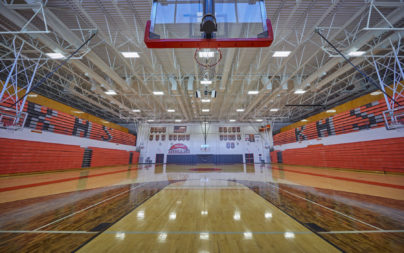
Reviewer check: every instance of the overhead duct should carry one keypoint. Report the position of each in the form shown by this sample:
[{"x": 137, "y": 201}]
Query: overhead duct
[
  {"x": 173, "y": 83},
  {"x": 191, "y": 83}
]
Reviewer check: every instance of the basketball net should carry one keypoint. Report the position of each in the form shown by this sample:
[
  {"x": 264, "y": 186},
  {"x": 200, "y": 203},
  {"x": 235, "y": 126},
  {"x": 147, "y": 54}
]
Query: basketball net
[{"x": 207, "y": 59}]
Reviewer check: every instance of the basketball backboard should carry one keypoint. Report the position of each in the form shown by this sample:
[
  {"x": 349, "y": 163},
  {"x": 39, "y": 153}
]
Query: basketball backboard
[{"x": 182, "y": 24}]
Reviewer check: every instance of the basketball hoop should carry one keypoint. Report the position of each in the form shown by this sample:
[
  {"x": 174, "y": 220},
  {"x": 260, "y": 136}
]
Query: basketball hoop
[
  {"x": 207, "y": 59},
  {"x": 12, "y": 120}
]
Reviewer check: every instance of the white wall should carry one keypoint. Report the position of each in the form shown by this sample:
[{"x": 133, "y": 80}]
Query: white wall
[{"x": 149, "y": 149}]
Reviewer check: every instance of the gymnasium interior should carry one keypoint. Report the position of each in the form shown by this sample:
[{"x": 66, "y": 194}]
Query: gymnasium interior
[{"x": 202, "y": 126}]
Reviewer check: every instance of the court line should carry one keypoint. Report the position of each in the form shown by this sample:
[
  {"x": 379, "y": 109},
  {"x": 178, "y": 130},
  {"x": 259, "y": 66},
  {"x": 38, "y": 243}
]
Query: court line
[
  {"x": 330, "y": 209},
  {"x": 84, "y": 209},
  {"x": 18, "y": 187},
  {"x": 344, "y": 178},
  {"x": 194, "y": 232}
]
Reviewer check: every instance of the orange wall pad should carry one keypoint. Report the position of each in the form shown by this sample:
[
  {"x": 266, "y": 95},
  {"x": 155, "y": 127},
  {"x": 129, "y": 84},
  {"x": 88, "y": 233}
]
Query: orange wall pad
[
  {"x": 19, "y": 156},
  {"x": 379, "y": 155},
  {"x": 105, "y": 157}
]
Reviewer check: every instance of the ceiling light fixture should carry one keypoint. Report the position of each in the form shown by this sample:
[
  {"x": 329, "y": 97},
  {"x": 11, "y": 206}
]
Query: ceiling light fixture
[
  {"x": 259, "y": 120},
  {"x": 110, "y": 92},
  {"x": 253, "y": 92},
  {"x": 274, "y": 110},
  {"x": 170, "y": 110},
  {"x": 178, "y": 120},
  {"x": 375, "y": 93},
  {"x": 205, "y": 110},
  {"x": 205, "y": 100},
  {"x": 281, "y": 54},
  {"x": 135, "y": 110},
  {"x": 331, "y": 111},
  {"x": 232, "y": 120},
  {"x": 206, "y": 82},
  {"x": 130, "y": 54},
  {"x": 158, "y": 93},
  {"x": 55, "y": 55},
  {"x": 150, "y": 120},
  {"x": 206, "y": 54},
  {"x": 300, "y": 91},
  {"x": 240, "y": 110},
  {"x": 356, "y": 53}
]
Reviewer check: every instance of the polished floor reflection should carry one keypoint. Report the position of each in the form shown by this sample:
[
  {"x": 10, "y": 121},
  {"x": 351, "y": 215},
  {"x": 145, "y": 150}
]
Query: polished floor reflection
[{"x": 202, "y": 208}]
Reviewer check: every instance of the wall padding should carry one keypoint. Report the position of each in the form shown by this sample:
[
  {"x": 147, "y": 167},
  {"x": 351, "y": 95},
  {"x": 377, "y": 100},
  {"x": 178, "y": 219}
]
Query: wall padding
[
  {"x": 17, "y": 156},
  {"x": 379, "y": 155},
  {"x": 106, "y": 157}
]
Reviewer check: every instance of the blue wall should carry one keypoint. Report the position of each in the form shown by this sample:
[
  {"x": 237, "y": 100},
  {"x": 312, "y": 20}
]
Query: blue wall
[{"x": 204, "y": 158}]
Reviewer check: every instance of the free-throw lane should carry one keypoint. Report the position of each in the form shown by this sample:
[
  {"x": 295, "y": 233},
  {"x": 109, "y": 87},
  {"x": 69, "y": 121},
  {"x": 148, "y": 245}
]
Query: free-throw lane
[{"x": 207, "y": 215}]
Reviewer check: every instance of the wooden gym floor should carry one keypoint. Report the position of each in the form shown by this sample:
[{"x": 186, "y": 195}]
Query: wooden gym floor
[{"x": 206, "y": 208}]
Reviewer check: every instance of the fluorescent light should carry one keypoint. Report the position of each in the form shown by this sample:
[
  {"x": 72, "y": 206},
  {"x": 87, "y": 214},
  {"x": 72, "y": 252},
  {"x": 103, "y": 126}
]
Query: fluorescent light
[
  {"x": 150, "y": 120},
  {"x": 178, "y": 120},
  {"x": 135, "y": 110},
  {"x": 304, "y": 120},
  {"x": 232, "y": 120},
  {"x": 206, "y": 54},
  {"x": 281, "y": 54},
  {"x": 55, "y": 55},
  {"x": 32, "y": 95},
  {"x": 204, "y": 236},
  {"x": 253, "y": 92},
  {"x": 300, "y": 91},
  {"x": 162, "y": 237},
  {"x": 274, "y": 110},
  {"x": 78, "y": 112},
  {"x": 236, "y": 216},
  {"x": 110, "y": 92},
  {"x": 357, "y": 53},
  {"x": 204, "y": 212},
  {"x": 240, "y": 110},
  {"x": 205, "y": 110},
  {"x": 158, "y": 93},
  {"x": 268, "y": 215},
  {"x": 247, "y": 235},
  {"x": 206, "y": 82},
  {"x": 120, "y": 235},
  {"x": 130, "y": 54},
  {"x": 205, "y": 100},
  {"x": 140, "y": 215},
  {"x": 289, "y": 235},
  {"x": 259, "y": 120},
  {"x": 170, "y": 110},
  {"x": 375, "y": 93},
  {"x": 172, "y": 216},
  {"x": 331, "y": 111}
]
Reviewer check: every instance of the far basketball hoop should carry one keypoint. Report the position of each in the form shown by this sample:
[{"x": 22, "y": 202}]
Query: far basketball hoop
[
  {"x": 10, "y": 119},
  {"x": 394, "y": 118}
]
